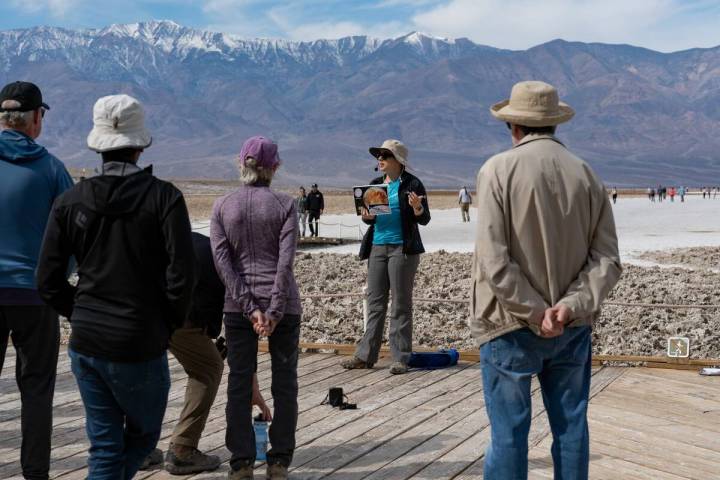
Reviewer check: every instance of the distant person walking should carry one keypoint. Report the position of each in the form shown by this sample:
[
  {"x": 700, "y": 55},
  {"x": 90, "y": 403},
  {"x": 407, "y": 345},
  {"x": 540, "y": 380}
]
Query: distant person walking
[
  {"x": 254, "y": 234},
  {"x": 545, "y": 259},
  {"x": 315, "y": 208},
  {"x": 465, "y": 200},
  {"x": 660, "y": 193},
  {"x": 302, "y": 209},
  {"x": 392, "y": 247},
  {"x": 614, "y": 195},
  {"x": 671, "y": 192},
  {"x": 651, "y": 194},
  {"x": 30, "y": 180},
  {"x": 130, "y": 234},
  {"x": 681, "y": 193}
]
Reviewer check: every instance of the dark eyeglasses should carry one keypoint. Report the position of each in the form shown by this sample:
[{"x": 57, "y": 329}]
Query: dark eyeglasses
[
  {"x": 508, "y": 125},
  {"x": 42, "y": 112},
  {"x": 385, "y": 156}
]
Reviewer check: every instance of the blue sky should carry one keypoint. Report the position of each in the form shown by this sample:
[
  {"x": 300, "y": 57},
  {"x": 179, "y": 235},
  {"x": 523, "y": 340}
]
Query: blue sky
[{"x": 665, "y": 25}]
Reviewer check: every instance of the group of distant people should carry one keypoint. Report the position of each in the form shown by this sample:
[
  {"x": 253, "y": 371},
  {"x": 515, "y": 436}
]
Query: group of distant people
[
  {"x": 546, "y": 257},
  {"x": 661, "y": 193},
  {"x": 310, "y": 206}
]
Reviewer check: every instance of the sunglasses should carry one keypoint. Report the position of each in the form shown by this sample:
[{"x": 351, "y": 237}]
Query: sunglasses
[
  {"x": 385, "y": 156},
  {"x": 42, "y": 113}
]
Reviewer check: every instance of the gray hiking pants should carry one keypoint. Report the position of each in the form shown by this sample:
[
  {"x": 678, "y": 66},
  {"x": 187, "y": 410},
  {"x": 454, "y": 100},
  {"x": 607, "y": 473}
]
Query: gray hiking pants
[{"x": 389, "y": 270}]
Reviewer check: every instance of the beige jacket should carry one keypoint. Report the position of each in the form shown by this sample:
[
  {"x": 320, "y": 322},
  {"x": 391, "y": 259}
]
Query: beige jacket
[{"x": 546, "y": 235}]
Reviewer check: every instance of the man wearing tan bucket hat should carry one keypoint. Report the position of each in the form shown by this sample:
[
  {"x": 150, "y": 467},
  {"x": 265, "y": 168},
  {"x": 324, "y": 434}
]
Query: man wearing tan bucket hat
[{"x": 546, "y": 256}]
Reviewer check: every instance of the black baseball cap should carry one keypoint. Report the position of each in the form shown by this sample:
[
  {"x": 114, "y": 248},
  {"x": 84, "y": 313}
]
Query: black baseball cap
[{"x": 27, "y": 94}]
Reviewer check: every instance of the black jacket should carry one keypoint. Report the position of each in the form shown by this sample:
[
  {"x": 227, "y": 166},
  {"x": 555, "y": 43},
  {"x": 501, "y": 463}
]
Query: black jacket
[
  {"x": 412, "y": 243},
  {"x": 209, "y": 296},
  {"x": 315, "y": 201},
  {"x": 130, "y": 236}
]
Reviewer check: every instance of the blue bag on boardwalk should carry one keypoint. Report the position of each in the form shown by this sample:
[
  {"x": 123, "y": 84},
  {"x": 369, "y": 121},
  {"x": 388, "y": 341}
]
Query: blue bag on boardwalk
[{"x": 446, "y": 357}]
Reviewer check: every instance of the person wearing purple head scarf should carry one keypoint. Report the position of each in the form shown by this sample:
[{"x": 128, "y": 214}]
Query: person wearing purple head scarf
[{"x": 253, "y": 232}]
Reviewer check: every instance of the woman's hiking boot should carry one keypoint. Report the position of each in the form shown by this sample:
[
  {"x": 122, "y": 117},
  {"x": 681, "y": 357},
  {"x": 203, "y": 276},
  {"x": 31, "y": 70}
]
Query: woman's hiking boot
[
  {"x": 276, "y": 471},
  {"x": 243, "y": 473},
  {"x": 355, "y": 363},
  {"x": 398, "y": 368}
]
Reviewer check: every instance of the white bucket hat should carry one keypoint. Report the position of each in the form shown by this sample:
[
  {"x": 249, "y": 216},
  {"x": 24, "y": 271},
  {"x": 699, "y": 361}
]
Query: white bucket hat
[
  {"x": 533, "y": 104},
  {"x": 118, "y": 122},
  {"x": 396, "y": 148}
]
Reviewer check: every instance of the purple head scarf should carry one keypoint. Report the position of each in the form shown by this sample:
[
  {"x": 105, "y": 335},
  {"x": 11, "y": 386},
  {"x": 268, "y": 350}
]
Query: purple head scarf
[{"x": 263, "y": 150}]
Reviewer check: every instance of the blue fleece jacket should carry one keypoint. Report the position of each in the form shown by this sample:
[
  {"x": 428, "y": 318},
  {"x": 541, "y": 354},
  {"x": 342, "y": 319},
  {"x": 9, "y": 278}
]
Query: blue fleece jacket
[{"x": 30, "y": 180}]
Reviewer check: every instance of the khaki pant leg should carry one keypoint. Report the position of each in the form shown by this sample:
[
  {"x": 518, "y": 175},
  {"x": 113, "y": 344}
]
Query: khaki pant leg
[{"x": 198, "y": 355}]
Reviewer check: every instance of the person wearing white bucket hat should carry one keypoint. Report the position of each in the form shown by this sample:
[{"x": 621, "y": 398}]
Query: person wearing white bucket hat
[
  {"x": 546, "y": 256},
  {"x": 130, "y": 233}
]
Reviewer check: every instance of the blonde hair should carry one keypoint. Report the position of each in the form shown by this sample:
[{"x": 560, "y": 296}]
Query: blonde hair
[{"x": 251, "y": 173}]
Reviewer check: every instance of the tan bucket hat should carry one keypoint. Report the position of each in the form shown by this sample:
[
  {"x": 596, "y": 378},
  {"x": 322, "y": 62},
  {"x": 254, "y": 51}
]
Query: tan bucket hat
[
  {"x": 118, "y": 122},
  {"x": 533, "y": 104},
  {"x": 396, "y": 148}
]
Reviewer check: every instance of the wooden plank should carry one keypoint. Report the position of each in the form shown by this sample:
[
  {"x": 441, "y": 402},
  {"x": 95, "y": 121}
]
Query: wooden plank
[
  {"x": 540, "y": 427},
  {"x": 73, "y": 439},
  {"x": 321, "y": 421},
  {"x": 391, "y": 436},
  {"x": 312, "y": 364},
  {"x": 681, "y": 461}
]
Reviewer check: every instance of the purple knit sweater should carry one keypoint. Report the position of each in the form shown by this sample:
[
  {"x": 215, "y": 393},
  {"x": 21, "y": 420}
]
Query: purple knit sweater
[{"x": 253, "y": 232}]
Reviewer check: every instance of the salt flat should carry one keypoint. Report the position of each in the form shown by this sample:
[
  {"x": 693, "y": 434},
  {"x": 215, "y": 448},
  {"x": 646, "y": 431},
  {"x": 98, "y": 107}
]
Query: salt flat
[{"x": 642, "y": 226}]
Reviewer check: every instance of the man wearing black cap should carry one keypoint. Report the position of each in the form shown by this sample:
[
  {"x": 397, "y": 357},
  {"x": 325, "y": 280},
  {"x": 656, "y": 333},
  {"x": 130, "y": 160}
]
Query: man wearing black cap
[
  {"x": 30, "y": 180},
  {"x": 315, "y": 207}
]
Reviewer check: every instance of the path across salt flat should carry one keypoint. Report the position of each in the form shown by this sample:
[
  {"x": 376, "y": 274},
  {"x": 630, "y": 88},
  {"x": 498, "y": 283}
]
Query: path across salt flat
[{"x": 642, "y": 226}]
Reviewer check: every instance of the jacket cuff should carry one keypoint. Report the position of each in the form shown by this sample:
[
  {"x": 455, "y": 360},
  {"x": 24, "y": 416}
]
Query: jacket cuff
[
  {"x": 571, "y": 305},
  {"x": 274, "y": 315}
]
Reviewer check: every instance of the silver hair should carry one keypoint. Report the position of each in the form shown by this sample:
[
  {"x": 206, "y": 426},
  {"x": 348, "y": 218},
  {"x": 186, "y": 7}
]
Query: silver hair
[
  {"x": 251, "y": 173},
  {"x": 14, "y": 119}
]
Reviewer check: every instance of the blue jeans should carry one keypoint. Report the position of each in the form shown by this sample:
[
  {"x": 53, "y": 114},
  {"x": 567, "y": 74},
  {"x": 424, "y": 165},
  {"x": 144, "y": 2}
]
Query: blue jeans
[
  {"x": 562, "y": 365},
  {"x": 124, "y": 408}
]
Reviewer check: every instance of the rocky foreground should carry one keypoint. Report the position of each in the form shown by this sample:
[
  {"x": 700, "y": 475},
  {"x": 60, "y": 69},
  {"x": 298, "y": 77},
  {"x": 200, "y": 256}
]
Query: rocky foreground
[
  {"x": 693, "y": 279},
  {"x": 620, "y": 330}
]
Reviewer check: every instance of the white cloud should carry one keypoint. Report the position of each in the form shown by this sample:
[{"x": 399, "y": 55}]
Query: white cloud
[
  {"x": 289, "y": 22},
  {"x": 519, "y": 24},
  {"x": 56, "y": 8}
]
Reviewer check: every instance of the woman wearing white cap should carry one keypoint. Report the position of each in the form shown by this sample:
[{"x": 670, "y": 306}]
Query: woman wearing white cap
[{"x": 392, "y": 246}]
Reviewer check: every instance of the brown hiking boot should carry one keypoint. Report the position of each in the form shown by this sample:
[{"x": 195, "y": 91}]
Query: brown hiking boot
[
  {"x": 355, "y": 363},
  {"x": 243, "y": 473},
  {"x": 276, "y": 471},
  {"x": 186, "y": 460}
]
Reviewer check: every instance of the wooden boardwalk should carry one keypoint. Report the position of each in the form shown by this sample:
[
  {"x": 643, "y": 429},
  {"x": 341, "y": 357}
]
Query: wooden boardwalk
[{"x": 645, "y": 424}]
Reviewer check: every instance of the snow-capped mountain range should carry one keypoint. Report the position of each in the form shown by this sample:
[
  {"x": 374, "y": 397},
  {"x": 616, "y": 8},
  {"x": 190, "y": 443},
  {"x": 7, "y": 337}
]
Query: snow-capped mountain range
[{"x": 642, "y": 116}]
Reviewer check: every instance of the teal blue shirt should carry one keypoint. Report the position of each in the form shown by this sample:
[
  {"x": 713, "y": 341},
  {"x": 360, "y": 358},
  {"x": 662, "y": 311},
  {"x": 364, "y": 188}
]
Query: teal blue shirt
[{"x": 388, "y": 228}]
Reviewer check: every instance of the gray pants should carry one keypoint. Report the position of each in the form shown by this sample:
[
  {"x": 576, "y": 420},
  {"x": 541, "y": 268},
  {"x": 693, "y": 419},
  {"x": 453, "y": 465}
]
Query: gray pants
[{"x": 389, "y": 270}]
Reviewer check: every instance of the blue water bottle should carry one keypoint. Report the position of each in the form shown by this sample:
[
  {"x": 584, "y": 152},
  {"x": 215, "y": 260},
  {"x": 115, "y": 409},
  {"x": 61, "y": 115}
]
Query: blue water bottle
[{"x": 261, "y": 437}]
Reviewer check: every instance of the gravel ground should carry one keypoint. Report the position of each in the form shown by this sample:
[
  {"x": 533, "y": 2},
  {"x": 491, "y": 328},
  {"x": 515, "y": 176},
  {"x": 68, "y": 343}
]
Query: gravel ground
[{"x": 619, "y": 331}]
